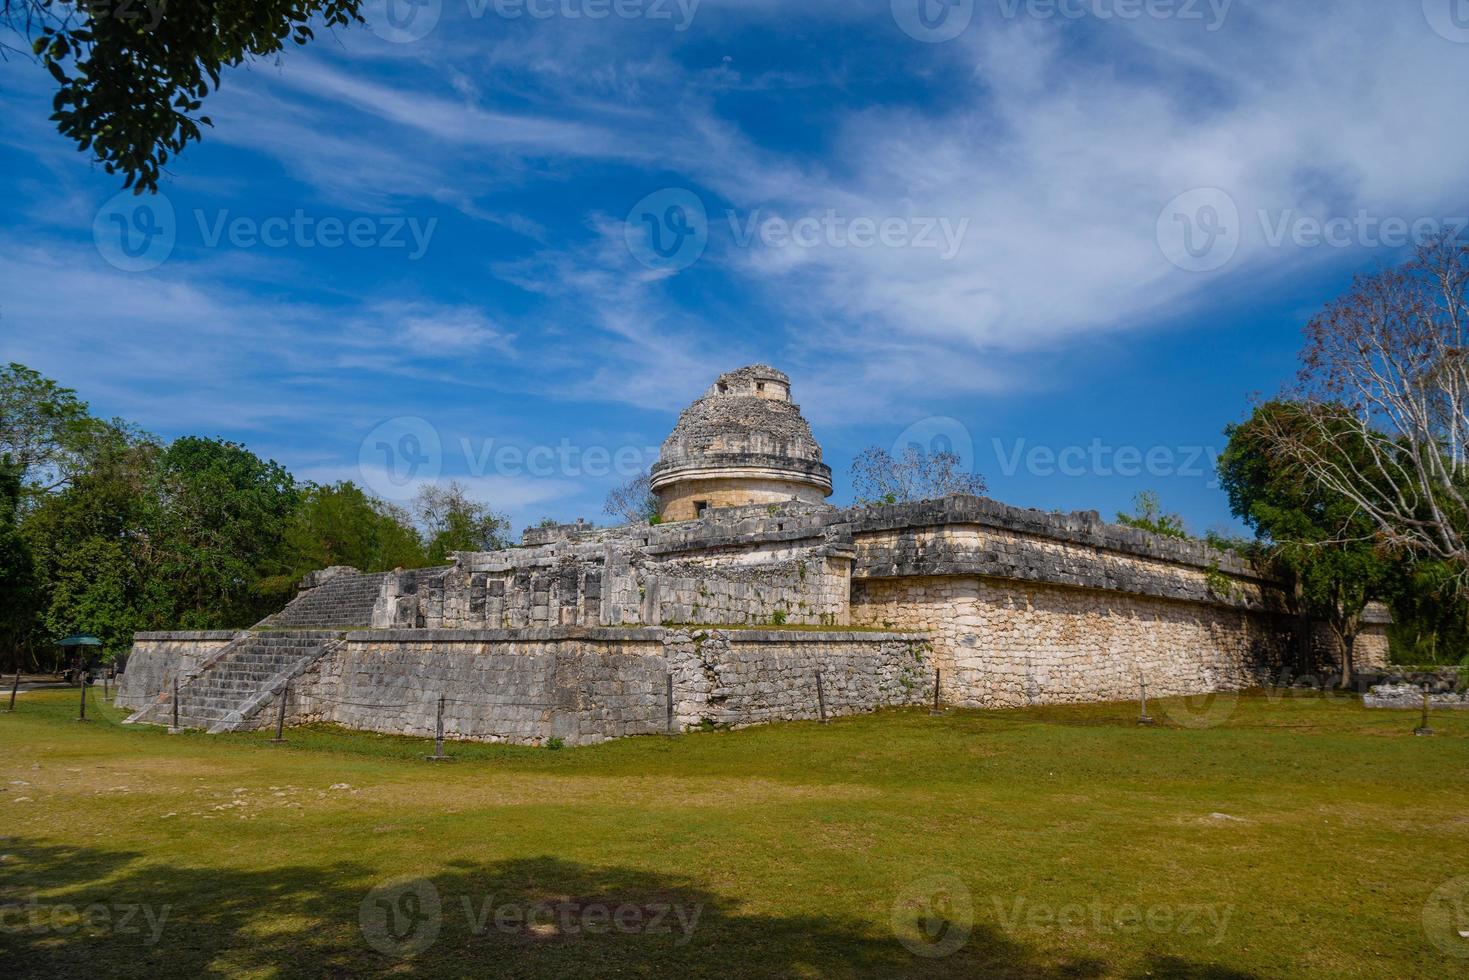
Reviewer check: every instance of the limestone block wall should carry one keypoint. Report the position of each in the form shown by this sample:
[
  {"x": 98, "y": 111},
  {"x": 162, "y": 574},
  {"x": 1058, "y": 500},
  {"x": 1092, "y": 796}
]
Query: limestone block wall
[
  {"x": 525, "y": 686},
  {"x": 1009, "y": 644},
  {"x": 588, "y": 685},
  {"x": 739, "y": 677},
  {"x": 749, "y": 566},
  {"x": 680, "y": 501},
  {"x": 156, "y": 658}
]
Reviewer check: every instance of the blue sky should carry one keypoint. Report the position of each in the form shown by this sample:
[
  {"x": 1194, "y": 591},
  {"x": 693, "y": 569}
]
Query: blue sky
[{"x": 1076, "y": 237}]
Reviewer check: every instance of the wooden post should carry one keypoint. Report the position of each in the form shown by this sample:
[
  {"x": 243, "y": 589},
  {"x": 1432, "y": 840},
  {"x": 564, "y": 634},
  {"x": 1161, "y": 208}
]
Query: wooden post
[
  {"x": 280, "y": 717},
  {"x": 1142, "y": 687},
  {"x": 439, "y": 755},
  {"x": 175, "y": 702},
  {"x": 670, "y": 704},
  {"x": 938, "y": 676},
  {"x": 14, "y": 689},
  {"x": 105, "y": 695},
  {"x": 82, "y": 676},
  {"x": 1423, "y": 729},
  {"x": 820, "y": 698}
]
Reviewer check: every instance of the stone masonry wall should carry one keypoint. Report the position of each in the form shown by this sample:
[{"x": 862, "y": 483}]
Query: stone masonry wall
[
  {"x": 156, "y": 658},
  {"x": 1010, "y": 644},
  {"x": 738, "y": 678},
  {"x": 747, "y": 567},
  {"x": 587, "y": 685},
  {"x": 580, "y": 685}
]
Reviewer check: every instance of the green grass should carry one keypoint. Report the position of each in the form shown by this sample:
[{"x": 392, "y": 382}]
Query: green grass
[{"x": 1302, "y": 837}]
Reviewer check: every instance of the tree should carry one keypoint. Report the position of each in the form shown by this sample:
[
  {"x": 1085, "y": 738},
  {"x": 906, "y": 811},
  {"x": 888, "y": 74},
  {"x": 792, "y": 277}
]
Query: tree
[
  {"x": 452, "y": 522},
  {"x": 95, "y": 544},
  {"x": 17, "y": 570},
  {"x": 342, "y": 525},
  {"x": 878, "y": 478},
  {"x": 45, "y": 430},
  {"x": 132, "y": 76},
  {"x": 1386, "y": 366},
  {"x": 1321, "y": 537},
  {"x": 221, "y": 514},
  {"x": 634, "y": 502},
  {"x": 1150, "y": 517}
]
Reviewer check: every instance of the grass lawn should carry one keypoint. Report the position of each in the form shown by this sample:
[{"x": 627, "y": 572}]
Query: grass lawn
[{"x": 1303, "y": 836}]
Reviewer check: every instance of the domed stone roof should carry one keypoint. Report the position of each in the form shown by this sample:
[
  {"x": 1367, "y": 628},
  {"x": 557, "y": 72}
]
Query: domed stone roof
[{"x": 745, "y": 427}]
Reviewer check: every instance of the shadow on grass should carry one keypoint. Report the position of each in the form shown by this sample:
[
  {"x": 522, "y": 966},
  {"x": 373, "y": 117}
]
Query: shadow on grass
[{"x": 74, "y": 911}]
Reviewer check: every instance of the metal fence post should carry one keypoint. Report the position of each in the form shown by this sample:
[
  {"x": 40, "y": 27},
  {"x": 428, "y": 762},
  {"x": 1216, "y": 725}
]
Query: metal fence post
[
  {"x": 670, "y": 704},
  {"x": 439, "y": 755},
  {"x": 820, "y": 698},
  {"x": 175, "y": 702},
  {"x": 1423, "y": 728},
  {"x": 1142, "y": 689},
  {"x": 83, "y": 678},
  {"x": 938, "y": 676},
  {"x": 280, "y": 716}
]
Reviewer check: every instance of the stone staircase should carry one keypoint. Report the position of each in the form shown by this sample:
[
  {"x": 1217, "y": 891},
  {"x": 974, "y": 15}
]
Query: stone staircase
[
  {"x": 227, "y": 691},
  {"x": 342, "y": 602}
]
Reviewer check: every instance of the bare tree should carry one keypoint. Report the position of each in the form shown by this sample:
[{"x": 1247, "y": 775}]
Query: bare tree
[
  {"x": 634, "y": 501},
  {"x": 878, "y": 478},
  {"x": 1386, "y": 367}
]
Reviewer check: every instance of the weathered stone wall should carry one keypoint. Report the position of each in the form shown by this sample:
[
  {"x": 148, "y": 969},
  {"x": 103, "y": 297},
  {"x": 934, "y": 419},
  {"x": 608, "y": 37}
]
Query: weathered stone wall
[
  {"x": 1010, "y": 643},
  {"x": 738, "y": 678},
  {"x": 587, "y": 685},
  {"x": 156, "y": 658},
  {"x": 523, "y": 686},
  {"x": 748, "y": 566},
  {"x": 680, "y": 502}
]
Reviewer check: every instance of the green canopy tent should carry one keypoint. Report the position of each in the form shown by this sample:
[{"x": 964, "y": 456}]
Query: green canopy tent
[{"x": 80, "y": 642}]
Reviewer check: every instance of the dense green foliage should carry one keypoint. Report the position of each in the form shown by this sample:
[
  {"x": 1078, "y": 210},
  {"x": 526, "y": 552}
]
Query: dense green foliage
[
  {"x": 132, "y": 76},
  {"x": 1323, "y": 539},
  {"x": 105, "y": 530}
]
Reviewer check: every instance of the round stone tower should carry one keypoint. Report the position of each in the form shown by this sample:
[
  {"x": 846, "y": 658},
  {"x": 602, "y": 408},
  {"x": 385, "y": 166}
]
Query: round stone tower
[{"x": 744, "y": 442}]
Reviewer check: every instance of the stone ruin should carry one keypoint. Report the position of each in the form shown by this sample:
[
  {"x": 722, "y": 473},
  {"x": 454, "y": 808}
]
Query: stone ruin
[{"x": 754, "y": 601}]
